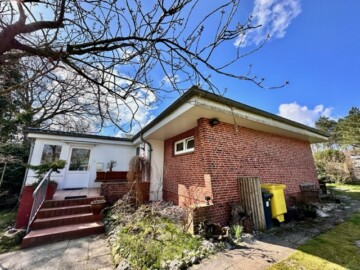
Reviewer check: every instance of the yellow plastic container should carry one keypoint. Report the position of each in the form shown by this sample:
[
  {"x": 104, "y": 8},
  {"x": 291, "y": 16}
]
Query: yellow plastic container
[{"x": 277, "y": 203}]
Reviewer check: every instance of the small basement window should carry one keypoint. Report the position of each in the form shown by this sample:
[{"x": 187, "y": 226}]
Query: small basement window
[{"x": 184, "y": 146}]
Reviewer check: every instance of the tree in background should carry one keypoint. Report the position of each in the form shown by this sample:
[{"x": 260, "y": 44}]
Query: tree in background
[
  {"x": 329, "y": 126},
  {"x": 12, "y": 172},
  {"x": 333, "y": 165},
  {"x": 125, "y": 52},
  {"x": 348, "y": 129},
  {"x": 85, "y": 65},
  {"x": 333, "y": 161}
]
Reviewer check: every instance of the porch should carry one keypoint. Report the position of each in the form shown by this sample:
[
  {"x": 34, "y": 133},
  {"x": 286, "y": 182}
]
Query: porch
[{"x": 64, "y": 194}]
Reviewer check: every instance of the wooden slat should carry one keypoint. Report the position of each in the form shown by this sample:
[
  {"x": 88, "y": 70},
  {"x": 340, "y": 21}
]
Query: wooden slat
[{"x": 251, "y": 199}]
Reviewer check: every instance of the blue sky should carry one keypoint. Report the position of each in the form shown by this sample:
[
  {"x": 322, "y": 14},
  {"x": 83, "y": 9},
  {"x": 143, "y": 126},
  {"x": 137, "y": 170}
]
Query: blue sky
[
  {"x": 314, "y": 45},
  {"x": 317, "y": 51}
]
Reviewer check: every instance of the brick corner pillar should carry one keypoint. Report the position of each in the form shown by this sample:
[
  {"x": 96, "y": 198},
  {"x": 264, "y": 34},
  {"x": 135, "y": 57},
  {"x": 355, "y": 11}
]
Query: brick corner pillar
[{"x": 24, "y": 211}]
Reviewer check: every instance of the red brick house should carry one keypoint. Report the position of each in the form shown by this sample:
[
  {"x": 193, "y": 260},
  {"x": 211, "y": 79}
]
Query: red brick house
[{"x": 198, "y": 147}]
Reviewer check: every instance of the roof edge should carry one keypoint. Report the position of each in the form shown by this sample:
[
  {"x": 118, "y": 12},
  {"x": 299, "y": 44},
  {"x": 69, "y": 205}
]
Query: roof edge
[
  {"x": 195, "y": 91},
  {"x": 75, "y": 134}
]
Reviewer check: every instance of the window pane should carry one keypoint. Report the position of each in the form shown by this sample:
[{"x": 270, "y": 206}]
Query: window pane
[
  {"x": 79, "y": 160},
  {"x": 179, "y": 146},
  {"x": 50, "y": 153},
  {"x": 190, "y": 144}
]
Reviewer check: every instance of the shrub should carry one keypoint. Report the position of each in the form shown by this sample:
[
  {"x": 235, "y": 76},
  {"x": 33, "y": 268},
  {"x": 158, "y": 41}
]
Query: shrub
[
  {"x": 236, "y": 231},
  {"x": 42, "y": 169},
  {"x": 151, "y": 236},
  {"x": 333, "y": 166},
  {"x": 14, "y": 173}
]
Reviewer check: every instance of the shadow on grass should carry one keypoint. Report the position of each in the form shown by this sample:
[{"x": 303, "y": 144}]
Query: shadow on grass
[{"x": 336, "y": 248}]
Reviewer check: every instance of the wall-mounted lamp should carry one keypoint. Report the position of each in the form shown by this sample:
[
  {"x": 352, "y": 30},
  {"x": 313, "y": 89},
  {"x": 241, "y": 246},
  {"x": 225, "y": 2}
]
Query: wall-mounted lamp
[
  {"x": 207, "y": 199},
  {"x": 214, "y": 122}
]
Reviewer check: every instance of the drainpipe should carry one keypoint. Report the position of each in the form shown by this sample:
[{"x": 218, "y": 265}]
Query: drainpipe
[
  {"x": 27, "y": 168},
  {"x": 150, "y": 148}
]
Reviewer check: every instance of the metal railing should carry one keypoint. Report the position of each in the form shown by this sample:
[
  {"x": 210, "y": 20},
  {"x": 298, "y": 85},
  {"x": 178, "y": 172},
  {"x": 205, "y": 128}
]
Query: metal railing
[{"x": 39, "y": 197}]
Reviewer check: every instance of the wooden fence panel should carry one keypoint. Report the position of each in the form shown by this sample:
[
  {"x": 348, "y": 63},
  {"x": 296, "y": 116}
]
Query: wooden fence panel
[{"x": 251, "y": 199}]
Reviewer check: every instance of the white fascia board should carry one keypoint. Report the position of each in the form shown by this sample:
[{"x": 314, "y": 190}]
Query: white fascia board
[
  {"x": 200, "y": 102},
  {"x": 75, "y": 140},
  {"x": 179, "y": 111}
]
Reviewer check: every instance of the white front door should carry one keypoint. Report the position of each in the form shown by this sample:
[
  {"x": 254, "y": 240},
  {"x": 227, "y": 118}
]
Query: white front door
[{"x": 78, "y": 168}]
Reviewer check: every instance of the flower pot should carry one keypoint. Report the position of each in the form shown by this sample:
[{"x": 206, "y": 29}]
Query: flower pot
[
  {"x": 100, "y": 175},
  {"x": 51, "y": 189},
  {"x": 97, "y": 206}
]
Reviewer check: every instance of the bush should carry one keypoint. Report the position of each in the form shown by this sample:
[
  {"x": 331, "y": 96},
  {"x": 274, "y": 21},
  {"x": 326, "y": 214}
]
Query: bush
[
  {"x": 146, "y": 243},
  {"x": 152, "y": 236},
  {"x": 236, "y": 231},
  {"x": 14, "y": 174},
  {"x": 42, "y": 169},
  {"x": 333, "y": 166}
]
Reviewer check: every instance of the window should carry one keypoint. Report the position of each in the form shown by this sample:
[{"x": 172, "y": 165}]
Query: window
[
  {"x": 50, "y": 153},
  {"x": 79, "y": 160},
  {"x": 184, "y": 146}
]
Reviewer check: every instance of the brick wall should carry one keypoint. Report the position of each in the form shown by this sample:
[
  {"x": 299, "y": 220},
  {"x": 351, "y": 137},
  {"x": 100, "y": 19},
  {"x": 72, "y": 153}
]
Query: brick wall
[
  {"x": 224, "y": 154},
  {"x": 113, "y": 191},
  {"x": 184, "y": 174}
]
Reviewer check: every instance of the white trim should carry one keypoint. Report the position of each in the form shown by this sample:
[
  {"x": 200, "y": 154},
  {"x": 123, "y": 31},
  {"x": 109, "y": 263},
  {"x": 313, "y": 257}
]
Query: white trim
[
  {"x": 214, "y": 106},
  {"x": 178, "y": 112},
  {"x": 185, "y": 150},
  {"x": 74, "y": 140}
]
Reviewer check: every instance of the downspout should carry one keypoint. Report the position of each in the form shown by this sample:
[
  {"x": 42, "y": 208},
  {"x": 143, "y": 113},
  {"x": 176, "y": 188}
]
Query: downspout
[
  {"x": 27, "y": 168},
  {"x": 150, "y": 150}
]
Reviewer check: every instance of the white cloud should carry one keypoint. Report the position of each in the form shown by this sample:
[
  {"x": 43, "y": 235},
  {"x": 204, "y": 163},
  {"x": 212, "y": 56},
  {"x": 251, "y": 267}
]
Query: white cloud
[
  {"x": 275, "y": 17},
  {"x": 303, "y": 114},
  {"x": 131, "y": 114},
  {"x": 171, "y": 80}
]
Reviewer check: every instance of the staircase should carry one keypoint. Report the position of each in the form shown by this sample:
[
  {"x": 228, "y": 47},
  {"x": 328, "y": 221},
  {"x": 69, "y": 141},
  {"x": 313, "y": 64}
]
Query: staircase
[{"x": 59, "y": 220}]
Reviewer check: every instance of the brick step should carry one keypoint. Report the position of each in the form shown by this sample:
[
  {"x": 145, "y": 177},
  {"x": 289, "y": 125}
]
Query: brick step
[
  {"x": 50, "y": 235},
  {"x": 42, "y": 223},
  {"x": 70, "y": 202},
  {"x": 64, "y": 211}
]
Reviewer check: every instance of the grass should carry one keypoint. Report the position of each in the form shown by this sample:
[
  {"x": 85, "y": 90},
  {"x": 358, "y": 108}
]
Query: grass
[
  {"x": 352, "y": 191},
  {"x": 334, "y": 249},
  {"x": 7, "y": 218}
]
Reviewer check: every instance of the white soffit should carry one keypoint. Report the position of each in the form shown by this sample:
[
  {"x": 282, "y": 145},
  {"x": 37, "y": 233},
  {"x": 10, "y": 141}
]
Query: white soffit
[{"x": 186, "y": 116}]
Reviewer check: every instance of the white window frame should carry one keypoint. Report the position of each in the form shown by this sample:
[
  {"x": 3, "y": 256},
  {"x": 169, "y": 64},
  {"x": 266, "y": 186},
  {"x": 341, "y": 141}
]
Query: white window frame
[{"x": 185, "y": 149}]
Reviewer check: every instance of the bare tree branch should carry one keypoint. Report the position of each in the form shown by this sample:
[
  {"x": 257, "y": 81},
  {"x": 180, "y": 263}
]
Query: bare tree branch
[{"x": 121, "y": 50}]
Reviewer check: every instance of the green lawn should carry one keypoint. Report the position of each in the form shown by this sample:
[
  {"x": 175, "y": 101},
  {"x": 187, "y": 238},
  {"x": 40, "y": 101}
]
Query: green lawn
[
  {"x": 7, "y": 218},
  {"x": 334, "y": 249},
  {"x": 352, "y": 191}
]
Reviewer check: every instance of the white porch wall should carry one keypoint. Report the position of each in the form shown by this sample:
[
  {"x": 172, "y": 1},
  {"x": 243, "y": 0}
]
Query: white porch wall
[
  {"x": 100, "y": 153},
  {"x": 157, "y": 170}
]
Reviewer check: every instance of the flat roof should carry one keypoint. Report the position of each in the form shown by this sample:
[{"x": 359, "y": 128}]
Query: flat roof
[
  {"x": 195, "y": 91},
  {"x": 76, "y": 134}
]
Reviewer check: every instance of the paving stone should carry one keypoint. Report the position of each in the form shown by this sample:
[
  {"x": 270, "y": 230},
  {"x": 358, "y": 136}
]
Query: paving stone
[
  {"x": 98, "y": 250},
  {"x": 76, "y": 254},
  {"x": 54, "y": 246},
  {"x": 70, "y": 265},
  {"x": 98, "y": 262},
  {"x": 49, "y": 264}
]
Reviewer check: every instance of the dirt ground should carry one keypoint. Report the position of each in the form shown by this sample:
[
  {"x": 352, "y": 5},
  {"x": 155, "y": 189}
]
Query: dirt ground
[{"x": 262, "y": 250}]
